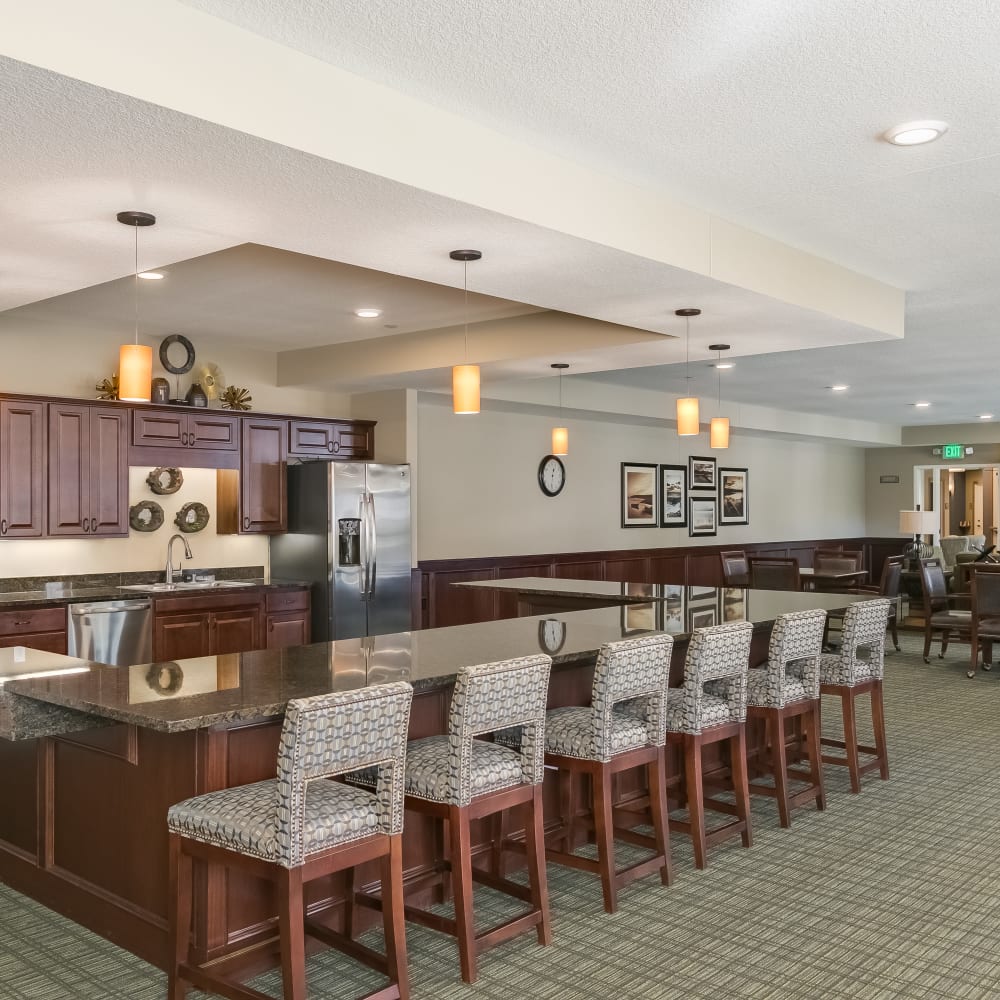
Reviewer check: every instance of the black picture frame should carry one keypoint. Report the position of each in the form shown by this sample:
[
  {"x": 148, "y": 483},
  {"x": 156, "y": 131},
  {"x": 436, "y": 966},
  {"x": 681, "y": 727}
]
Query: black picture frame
[
  {"x": 640, "y": 495},
  {"x": 703, "y": 615},
  {"x": 674, "y": 477},
  {"x": 698, "y": 508},
  {"x": 698, "y": 467},
  {"x": 734, "y": 500},
  {"x": 640, "y": 619}
]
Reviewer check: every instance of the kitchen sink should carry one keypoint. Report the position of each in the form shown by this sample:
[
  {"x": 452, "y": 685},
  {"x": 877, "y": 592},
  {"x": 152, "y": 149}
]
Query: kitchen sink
[{"x": 158, "y": 588}]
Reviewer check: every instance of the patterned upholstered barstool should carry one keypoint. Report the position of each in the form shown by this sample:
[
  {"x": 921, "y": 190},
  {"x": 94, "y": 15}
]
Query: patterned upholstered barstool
[
  {"x": 299, "y": 827},
  {"x": 775, "y": 694},
  {"x": 858, "y": 669},
  {"x": 458, "y": 778},
  {"x": 711, "y": 707},
  {"x": 624, "y": 727}
]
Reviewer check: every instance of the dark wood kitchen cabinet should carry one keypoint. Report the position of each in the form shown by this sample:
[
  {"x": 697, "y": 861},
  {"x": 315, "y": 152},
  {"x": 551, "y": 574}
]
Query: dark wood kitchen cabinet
[
  {"x": 331, "y": 439},
  {"x": 253, "y": 500},
  {"x": 87, "y": 471},
  {"x": 194, "y": 437},
  {"x": 181, "y": 636},
  {"x": 236, "y": 630},
  {"x": 22, "y": 469},
  {"x": 206, "y": 625},
  {"x": 287, "y": 619},
  {"x": 39, "y": 628}
]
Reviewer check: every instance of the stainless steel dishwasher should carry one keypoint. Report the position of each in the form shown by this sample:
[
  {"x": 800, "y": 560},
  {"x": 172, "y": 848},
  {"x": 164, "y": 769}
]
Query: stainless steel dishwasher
[{"x": 115, "y": 632}]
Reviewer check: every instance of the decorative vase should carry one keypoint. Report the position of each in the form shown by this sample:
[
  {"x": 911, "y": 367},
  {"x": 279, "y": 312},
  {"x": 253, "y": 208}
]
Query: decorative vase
[
  {"x": 196, "y": 395},
  {"x": 160, "y": 391}
]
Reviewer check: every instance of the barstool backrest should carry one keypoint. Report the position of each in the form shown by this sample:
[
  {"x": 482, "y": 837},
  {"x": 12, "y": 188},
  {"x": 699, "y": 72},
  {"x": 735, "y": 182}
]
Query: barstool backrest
[
  {"x": 721, "y": 654},
  {"x": 735, "y": 568},
  {"x": 797, "y": 635},
  {"x": 332, "y": 734},
  {"x": 864, "y": 628},
  {"x": 636, "y": 671},
  {"x": 494, "y": 696}
]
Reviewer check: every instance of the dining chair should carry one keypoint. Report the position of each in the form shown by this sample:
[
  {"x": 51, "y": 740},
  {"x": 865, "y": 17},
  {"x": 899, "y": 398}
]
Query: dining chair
[
  {"x": 845, "y": 562},
  {"x": 948, "y": 615},
  {"x": 985, "y": 614},
  {"x": 774, "y": 573},
  {"x": 735, "y": 568}
]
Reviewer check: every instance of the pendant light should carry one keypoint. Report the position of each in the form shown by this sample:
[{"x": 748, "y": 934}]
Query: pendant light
[
  {"x": 465, "y": 378},
  {"x": 135, "y": 361},
  {"x": 687, "y": 408},
  {"x": 560, "y": 435},
  {"x": 719, "y": 433}
]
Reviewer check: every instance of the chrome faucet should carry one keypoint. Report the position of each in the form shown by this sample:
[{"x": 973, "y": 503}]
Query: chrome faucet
[{"x": 169, "y": 576}]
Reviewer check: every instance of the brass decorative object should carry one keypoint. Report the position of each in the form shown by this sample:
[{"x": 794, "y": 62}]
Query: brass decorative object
[
  {"x": 235, "y": 398},
  {"x": 209, "y": 376},
  {"x": 107, "y": 388}
]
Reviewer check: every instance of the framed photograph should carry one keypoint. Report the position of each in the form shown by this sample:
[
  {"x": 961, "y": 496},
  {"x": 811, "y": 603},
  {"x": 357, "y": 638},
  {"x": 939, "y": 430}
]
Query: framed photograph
[
  {"x": 673, "y": 496},
  {"x": 734, "y": 497},
  {"x": 639, "y": 495},
  {"x": 701, "y": 516},
  {"x": 702, "y": 615},
  {"x": 638, "y": 618},
  {"x": 699, "y": 593},
  {"x": 673, "y": 616},
  {"x": 734, "y": 604},
  {"x": 702, "y": 473},
  {"x": 673, "y": 592}
]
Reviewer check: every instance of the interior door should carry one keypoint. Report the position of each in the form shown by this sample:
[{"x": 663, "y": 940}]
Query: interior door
[{"x": 977, "y": 507}]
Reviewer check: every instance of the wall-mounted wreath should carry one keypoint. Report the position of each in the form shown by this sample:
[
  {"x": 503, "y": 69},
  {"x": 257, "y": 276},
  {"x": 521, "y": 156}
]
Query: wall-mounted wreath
[
  {"x": 192, "y": 517},
  {"x": 164, "y": 480},
  {"x": 146, "y": 515}
]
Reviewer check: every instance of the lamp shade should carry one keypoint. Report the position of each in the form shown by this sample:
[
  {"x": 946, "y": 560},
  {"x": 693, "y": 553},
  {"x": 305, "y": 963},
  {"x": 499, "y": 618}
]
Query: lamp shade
[
  {"x": 135, "y": 373},
  {"x": 719, "y": 433},
  {"x": 560, "y": 441},
  {"x": 917, "y": 522},
  {"x": 687, "y": 416},
  {"x": 465, "y": 388}
]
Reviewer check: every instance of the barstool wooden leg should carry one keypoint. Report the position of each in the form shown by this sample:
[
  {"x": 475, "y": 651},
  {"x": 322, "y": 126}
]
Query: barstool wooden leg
[
  {"x": 350, "y": 889},
  {"x": 291, "y": 920},
  {"x": 605, "y": 836},
  {"x": 393, "y": 920},
  {"x": 779, "y": 762},
  {"x": 851, "y": 739},
  {"x": 534, "y": 838},
  {"x": 461, "y": 872},
  {"x": 741, "y": 783},
  {"x": 815, "y": 725},
  {"x": 695, "y": 790},
  {"x": 656, "y": 773},
  {"x": 180, "y": 872},
  {"x": 878, "y": 723},
  {"x": 568, "y": 808}
]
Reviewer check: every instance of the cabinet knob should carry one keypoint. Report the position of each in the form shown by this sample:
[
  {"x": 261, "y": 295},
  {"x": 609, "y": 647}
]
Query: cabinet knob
[
  {"x": 336, "y": 446},
  {"x": 185, "y": 438},
  {"x": 3, "y": 527},
  {"x": 24, "y": 621},
  {"x": 246, "y": 522},
  {"x": 93, "y": 524},
  {"x": 86, "y": 526},
  {"x": 329, "y": 446}
]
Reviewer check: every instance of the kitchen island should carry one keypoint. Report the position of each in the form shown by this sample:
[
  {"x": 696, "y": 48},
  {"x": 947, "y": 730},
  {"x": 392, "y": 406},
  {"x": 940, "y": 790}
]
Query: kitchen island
[{"x": 84, "y": 830}]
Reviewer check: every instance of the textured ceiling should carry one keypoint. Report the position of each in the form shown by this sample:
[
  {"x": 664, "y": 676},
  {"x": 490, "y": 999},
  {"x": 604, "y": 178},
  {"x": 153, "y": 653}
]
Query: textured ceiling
[{"x": 766, "y": 113}]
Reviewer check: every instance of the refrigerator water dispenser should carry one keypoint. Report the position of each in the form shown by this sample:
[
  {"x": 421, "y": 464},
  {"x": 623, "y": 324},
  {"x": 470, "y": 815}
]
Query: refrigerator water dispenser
[{"x": 349, "y": 534}]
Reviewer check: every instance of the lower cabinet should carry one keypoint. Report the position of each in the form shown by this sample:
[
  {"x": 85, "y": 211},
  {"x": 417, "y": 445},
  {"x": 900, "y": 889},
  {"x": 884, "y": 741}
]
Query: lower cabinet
[
  {"x": 185, "y": 627},
  {"x": 37, "y": 628}
]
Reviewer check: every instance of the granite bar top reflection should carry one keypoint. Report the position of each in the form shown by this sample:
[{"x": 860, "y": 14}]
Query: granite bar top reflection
[
  {"x": 214, "y": 690},
  {"x": 557, "y": 587},
  {"x": 80, "y": 595}
]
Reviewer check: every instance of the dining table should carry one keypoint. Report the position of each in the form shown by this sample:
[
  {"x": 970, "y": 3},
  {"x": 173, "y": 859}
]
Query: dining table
[{"x": 810, "y": 577}]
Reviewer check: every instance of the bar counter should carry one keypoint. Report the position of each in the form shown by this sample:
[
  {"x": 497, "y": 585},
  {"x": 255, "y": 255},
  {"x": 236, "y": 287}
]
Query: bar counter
[{"x": 83, "y": 822}]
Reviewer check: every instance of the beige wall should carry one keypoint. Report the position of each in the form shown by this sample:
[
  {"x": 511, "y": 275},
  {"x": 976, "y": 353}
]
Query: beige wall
[
  {"x": 43, "y": 358},
  {"x": 141, "y": 550},
  {"x": 479, "y": 495}
]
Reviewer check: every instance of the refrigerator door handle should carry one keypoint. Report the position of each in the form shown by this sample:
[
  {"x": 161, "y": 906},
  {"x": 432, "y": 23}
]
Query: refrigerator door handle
[
  {"x": 373, "y": 547},
  {"x": 363, "y": 543}
]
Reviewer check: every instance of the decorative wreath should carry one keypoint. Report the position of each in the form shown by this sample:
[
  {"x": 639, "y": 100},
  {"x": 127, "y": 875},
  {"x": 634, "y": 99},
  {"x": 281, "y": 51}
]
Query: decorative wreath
[
  {"x": 164, "y": 480},
  {"x": 192, "y": 517},
  {"x": 146, "y": 515}
]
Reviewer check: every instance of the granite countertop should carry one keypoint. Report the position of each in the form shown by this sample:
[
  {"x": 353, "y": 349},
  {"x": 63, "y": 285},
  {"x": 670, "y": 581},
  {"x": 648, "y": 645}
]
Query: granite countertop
[
  {"x": 557, "y": 587},
  {"x": 239, "y": 687},
  {"x": 77, "y": 595}
]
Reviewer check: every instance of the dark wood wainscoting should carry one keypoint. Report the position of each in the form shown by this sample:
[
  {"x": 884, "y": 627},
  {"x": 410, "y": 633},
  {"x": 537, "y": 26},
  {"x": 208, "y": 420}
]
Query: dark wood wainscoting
[{"x": 438, "y": 603}]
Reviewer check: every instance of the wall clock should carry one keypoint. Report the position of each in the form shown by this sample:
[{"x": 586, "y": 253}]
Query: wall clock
[
  {"x": 551, "y": 476},
  {"x": 551, "y": 635}
]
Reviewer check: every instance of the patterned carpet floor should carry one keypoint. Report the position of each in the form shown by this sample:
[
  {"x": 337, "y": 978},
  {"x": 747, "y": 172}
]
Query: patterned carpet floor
[{"x": 893, "y": 894}]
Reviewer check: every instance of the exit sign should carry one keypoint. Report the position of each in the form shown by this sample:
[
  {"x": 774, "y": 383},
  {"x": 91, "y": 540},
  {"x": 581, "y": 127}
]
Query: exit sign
[{"x": 952, "y": 451}]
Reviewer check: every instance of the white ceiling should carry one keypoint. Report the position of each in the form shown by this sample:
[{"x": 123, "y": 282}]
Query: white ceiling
[{"x": 766, "y": 113}]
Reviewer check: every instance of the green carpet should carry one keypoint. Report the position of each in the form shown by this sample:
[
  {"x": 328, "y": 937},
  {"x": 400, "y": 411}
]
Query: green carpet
[{"x": 893, "y": 893}]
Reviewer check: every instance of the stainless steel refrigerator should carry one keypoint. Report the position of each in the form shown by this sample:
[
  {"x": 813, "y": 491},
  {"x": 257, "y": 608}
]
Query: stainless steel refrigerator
[{"x": 349, "y": 537}]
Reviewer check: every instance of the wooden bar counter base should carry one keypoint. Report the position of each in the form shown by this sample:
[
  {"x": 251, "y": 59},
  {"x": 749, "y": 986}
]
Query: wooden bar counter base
[{"x": 91, "y": 756}]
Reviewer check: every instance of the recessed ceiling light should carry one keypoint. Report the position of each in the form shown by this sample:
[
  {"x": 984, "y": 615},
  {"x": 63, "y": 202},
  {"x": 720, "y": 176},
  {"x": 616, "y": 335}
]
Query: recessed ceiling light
[
  {"x": 838, "y": 388},
  {"x": 921, "y": 405},
  {"x": 152, "y": 275},
  {"x": 985, "y": 416},
  {"x": 915, "y": 133},
  {"x": 368, "y": 313}
]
